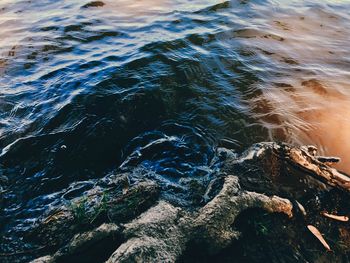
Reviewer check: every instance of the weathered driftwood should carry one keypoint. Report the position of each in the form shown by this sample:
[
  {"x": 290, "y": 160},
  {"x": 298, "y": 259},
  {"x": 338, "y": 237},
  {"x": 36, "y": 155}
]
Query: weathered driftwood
[
  {"x": 304, "y": 159},
  {"x": 163, "y": 232},
  {"x": 317, "y": 166}
]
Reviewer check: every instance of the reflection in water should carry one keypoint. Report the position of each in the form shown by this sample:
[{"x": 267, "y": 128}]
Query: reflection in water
[
  {"x": 311, "y": 114},
  {"x": 306, "y": 94},
  {"x": 330, "y": 125},
  {"x": 127, "y": 8},
  {"x": 155, "y": 7}
]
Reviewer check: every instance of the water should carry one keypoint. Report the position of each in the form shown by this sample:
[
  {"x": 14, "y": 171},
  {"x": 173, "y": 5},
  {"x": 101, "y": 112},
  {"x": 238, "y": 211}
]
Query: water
[{"x": 86, "y": 88}]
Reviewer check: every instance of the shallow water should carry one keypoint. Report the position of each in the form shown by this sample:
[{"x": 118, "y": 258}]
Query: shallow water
[{"x": 86, "y": 88}]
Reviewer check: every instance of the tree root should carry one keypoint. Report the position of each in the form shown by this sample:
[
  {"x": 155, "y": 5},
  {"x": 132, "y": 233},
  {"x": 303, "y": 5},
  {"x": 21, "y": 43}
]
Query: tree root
[
  {"x": 317, "y": 166},
  {"x": 161, "y": 233},
  {"x": 164, "y": 232}
]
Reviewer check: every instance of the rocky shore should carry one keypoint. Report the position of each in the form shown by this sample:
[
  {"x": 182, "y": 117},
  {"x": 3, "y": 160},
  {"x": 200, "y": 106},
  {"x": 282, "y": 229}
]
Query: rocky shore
[{"x": 259, "y": 207}]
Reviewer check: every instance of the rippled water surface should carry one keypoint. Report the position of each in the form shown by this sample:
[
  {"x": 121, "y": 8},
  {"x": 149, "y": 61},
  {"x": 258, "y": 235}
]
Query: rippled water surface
[{"x": 86, "y": 87}]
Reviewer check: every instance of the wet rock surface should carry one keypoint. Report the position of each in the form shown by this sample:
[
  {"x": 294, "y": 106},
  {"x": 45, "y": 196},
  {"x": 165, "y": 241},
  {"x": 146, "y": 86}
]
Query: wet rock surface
[{"x": 255, "y": 207}]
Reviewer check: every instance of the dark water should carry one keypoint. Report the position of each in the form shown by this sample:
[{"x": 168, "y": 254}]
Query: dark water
[{"x": 86, "y": 88}]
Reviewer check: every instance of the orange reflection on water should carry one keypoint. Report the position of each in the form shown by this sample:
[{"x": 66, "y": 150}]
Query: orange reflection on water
[
  {"x": 330, "y": 123},
  {"x": 305, "y": 97},
  {"x": 311, "y": 114}
]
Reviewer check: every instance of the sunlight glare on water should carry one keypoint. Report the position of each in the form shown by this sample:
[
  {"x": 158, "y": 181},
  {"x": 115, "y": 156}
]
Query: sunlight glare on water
[{"x": 308, "y": 93}]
